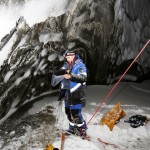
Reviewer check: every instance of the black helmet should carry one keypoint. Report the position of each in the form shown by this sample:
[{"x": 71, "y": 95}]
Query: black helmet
[{"x": 69, "y": 52}]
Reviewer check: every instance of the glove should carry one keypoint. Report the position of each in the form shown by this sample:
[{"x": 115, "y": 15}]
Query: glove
[{"x": 60, "y": 72}]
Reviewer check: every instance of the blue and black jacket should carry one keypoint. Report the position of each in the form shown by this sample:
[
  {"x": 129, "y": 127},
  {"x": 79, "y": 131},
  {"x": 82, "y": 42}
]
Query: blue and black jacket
[{"x": 75, "y": 87}]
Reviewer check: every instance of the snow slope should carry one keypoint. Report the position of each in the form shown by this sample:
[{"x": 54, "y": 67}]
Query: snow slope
[{"x": 134, "y": 99}]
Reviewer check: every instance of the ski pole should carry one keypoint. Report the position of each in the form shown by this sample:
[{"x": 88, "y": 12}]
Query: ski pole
[{"x": 62, "y": 141}]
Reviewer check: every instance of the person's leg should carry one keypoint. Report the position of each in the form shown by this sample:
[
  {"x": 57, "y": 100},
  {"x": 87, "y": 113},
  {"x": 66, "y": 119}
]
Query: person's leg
[
  {"x": 78, "y": 121},
  {"x": 68, "y": 113}
]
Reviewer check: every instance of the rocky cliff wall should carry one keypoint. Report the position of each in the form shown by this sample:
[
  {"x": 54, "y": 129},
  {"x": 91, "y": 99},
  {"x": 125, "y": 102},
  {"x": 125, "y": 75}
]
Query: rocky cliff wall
[{"x": 107, "y": 34}]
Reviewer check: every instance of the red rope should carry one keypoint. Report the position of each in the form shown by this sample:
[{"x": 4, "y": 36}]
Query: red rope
[
  {"x": 113, "y": 88},
  {"x": 115, "y": 146}
]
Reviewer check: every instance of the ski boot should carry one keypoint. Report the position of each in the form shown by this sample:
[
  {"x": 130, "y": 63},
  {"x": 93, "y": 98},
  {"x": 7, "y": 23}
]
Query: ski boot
[{"x": 71, "y": 130}]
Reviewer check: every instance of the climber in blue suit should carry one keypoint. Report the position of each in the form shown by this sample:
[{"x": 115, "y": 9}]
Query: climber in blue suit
[{"x": 73, "y": 90}]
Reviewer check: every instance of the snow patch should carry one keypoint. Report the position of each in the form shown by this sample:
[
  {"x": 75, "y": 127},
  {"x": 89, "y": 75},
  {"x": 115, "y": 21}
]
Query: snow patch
[{"x": 8, "y": 75}]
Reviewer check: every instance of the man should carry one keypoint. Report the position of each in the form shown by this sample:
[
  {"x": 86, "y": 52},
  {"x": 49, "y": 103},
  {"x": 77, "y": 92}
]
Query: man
[{"x": 73, "y": 89}]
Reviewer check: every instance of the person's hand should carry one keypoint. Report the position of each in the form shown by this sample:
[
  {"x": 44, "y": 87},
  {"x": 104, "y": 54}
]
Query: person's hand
[
  {"x": 67, "y": 76},
  {"x": 67, "y": 71}
]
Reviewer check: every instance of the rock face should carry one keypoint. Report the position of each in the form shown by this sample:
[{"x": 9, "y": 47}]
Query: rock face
[
  {"x": 107, "y": 34},
  {"x": 128, "y": 36},
  {"x": 90, "y": 28}
]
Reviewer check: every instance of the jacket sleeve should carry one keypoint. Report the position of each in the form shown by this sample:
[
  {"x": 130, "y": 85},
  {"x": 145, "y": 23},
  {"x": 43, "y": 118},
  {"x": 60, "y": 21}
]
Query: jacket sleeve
[
  {"x": 60, "y": 72},
  {"x": 81, "y": 76}
]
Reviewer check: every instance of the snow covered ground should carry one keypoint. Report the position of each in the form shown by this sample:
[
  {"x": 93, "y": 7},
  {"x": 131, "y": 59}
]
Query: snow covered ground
[{"x": 134, "y": 98}]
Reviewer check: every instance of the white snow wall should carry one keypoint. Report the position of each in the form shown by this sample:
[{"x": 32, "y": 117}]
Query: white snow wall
[{"x": 130, "y": 31}]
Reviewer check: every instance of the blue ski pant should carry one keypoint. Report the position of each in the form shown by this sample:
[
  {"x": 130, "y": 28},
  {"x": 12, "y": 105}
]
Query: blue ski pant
[{"x": 74, "y": 114}]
